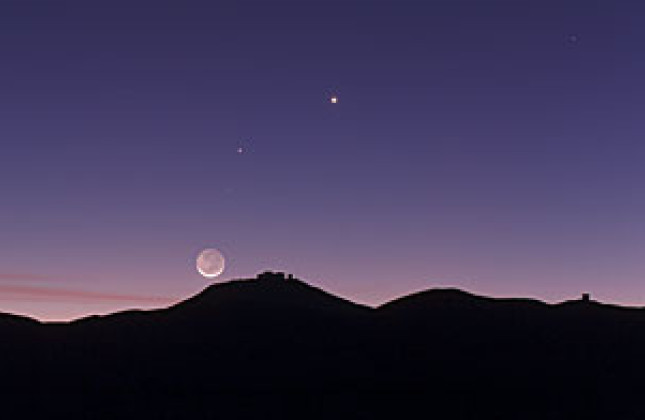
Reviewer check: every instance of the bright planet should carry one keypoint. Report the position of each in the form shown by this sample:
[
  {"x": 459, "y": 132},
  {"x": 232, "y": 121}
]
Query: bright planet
[{"x": 210, "y": 263}]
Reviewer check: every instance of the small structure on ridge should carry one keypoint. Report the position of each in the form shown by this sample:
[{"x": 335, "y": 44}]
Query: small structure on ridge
[{"x": 274, "y": 275}]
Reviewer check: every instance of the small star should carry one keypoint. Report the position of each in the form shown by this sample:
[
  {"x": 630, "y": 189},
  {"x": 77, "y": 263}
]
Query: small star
[
  {"x": 240, "y": 150},
  {"x": 333, "y": 100},
  {"x": 573, "y": 39}
]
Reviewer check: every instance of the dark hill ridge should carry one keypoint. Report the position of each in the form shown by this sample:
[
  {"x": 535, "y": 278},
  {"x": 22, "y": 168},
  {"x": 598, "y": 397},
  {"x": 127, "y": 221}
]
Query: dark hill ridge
[
  {"x": 271, "y": 292},
  {"x": 279, "y": 348},
  {"x": 245, "y": 297}
]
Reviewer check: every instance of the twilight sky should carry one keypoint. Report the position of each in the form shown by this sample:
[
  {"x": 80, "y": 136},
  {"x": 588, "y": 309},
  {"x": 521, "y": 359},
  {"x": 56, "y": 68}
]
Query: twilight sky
[{"x": 496, "y": 146}]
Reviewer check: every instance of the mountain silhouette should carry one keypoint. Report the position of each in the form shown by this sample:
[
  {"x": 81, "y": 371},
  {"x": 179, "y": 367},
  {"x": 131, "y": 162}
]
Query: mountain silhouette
[{"x": 276, "y": 347}]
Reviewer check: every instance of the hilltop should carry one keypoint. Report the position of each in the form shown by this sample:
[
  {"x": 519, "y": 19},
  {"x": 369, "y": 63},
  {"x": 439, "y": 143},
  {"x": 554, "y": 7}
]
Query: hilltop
[{"x": 276, "y": 347}]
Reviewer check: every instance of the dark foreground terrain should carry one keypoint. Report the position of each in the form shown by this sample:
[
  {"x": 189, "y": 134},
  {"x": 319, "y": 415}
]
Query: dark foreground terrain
[{"x": 277, "y": 349}]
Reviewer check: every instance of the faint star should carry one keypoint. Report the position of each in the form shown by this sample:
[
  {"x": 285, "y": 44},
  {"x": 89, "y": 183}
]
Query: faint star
[
  {"x": 333, "y": 100},
  {"x": 240, "y": 150}
]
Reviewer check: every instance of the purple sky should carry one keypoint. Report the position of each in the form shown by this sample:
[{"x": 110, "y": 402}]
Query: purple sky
[{"x": 495, "y": 146}]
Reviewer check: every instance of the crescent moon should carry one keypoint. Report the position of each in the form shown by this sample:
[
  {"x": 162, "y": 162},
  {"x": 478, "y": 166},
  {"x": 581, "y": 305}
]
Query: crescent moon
[{"x": 210, "y": 263}]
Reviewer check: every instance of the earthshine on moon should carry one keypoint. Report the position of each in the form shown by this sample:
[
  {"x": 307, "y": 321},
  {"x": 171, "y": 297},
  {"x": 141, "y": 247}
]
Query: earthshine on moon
[{"x": 210, "y": 263}]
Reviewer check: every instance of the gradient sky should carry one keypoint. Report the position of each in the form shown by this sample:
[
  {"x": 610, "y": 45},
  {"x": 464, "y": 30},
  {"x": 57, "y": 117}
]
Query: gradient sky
[{"x": 496, "y": 146}]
